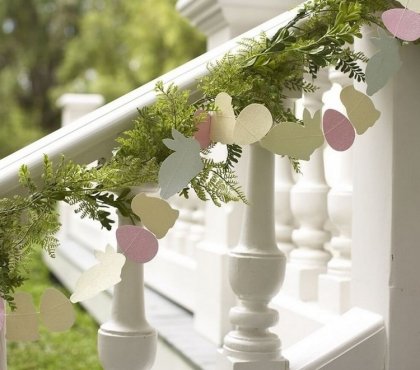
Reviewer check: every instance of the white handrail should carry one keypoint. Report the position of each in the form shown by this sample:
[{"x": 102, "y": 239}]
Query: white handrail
[{"x": 92, "y": 136}]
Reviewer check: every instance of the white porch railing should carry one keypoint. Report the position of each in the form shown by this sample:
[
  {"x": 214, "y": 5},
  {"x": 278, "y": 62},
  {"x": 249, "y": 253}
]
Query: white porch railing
[{"x": 348, "y": 224}]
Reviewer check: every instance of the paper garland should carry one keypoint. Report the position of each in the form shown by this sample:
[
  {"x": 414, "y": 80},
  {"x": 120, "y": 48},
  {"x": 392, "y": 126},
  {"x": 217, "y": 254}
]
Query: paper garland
[
  {"x": 338, "y": 130},
  {"x": 56, "y": 313},
  {"x": 402, "y": 23},
  {"x": 101, "y": 276}
]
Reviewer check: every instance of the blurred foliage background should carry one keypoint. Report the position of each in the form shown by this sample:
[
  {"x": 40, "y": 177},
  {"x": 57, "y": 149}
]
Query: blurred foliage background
[{"x": 49, "y": 47}]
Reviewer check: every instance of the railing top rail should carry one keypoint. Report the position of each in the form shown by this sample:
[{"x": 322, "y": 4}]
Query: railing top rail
[{"x": 92, "y": 136}]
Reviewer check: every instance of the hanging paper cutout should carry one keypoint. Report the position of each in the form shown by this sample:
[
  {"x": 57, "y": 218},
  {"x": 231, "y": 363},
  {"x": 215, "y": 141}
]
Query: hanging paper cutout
[
  {"x": 156, "y": 214},
  {"x": 383, "y": 65},
  {"x": 338, "y": 131},
  {"x": 181, "y": 166},
  {"x": 294, "y": 140},
  {"x": 202, "y": 135},
  {"x": 402, "y": 23},
  {"x": 137, "y": 244},
  {"x": 252, "y": 124},
  {"x": 22, "y": 324},
  {"x": 413, "y": 5},
  {"x": 223, "y": 121},
  {"x": 100, "y": 277},
  {"x": 56, "y": 311},
  {"x": 360, "y": 109},
  {"x": 2, "y": 313}
]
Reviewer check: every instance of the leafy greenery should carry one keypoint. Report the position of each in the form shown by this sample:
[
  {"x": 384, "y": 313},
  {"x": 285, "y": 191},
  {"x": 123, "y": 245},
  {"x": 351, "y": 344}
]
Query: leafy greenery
[{"x": 263, "y": 71}]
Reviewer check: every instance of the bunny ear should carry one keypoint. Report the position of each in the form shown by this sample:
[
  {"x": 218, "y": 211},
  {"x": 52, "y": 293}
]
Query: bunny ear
[
  {"x": 22, "y": 324},
  {"x": 252, "y": 124},
  {"x": 402, "y": 23},
  {"x": 57, "y": 313}
]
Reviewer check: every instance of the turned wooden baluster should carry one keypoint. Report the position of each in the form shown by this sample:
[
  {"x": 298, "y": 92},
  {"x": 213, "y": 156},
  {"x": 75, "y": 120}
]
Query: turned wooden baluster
[
  {"x": 334, "y": 287},
  {"x": 256, "y": 274},
  {"x": 3, "y": 348},
  {"x": 127, "y": 341},
  {"x": 309, "y": 206}
]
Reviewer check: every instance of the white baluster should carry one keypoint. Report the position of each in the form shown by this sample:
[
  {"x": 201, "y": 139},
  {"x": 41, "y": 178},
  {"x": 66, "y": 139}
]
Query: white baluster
[
  {"x": 127, "y": 341},
  {"x": 309, "y": 206},
  {"x": 334, "y": 287},
  {"x": 196, "y": 232},
  {"x": 256, "y": 273},
  {"x": 3, "y": 347},
  {"x": 284, "y": 182},
  {"x": 179, "y": 234}
]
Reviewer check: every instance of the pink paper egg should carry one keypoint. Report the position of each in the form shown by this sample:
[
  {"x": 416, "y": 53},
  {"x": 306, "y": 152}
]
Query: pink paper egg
[
  {"x": 402, "y": 23},
  {"x": 338, "y": 130},
  {"x": 136, "y": 243},
  {"x": 202, "y": 135}
]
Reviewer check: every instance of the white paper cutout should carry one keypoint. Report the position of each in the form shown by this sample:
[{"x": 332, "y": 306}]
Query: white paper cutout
[
  {"x": 223, "y": 121},
  {"x": 181, "y": 166},
  {"x": 56, "y": 311},
  {"x": 294, "y": 140},
  {"x": 22, "y": 324},
  {"x": 384, "y": 64},
  {"x": 100, "y": 277},
  {"x": 252, "y": 124},
  {"x": 360, "y": 109},
  {"x": 156, "y": 214}
]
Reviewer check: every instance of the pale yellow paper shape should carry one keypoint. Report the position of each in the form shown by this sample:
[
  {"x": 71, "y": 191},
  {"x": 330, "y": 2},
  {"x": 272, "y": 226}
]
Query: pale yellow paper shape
[
  {"x": 223, "y": 121},
  {"x": 294, "y": 140},
  {"x": 100, "y": 277},
  {"x": 413, "y": 5},
  {"x": 56, "y": 311},
  {"x": 22, "y": 324},
  {"x": 156, "y": 214},
  {"x": 360, "y": 109},
  {"x": 252, "y": 124}
]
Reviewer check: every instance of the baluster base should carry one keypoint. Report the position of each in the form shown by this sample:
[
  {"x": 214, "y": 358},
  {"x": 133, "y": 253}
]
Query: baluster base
[
  {"x": 126, "y": 351},
  {"x": 334, "y": 293},
  {"x": 301, "y": 282},
  {"x": 227, "y": 360}
]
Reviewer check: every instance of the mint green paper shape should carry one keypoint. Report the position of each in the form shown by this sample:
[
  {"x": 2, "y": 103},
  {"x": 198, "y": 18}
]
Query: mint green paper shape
[
  {"x": 294, "y": 140},
  {"x": 384, "y": 64},
  {"x": 181, "y": 166}
]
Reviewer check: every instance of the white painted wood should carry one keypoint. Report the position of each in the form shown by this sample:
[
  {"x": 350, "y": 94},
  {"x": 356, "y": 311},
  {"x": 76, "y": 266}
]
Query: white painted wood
[
  {"x": 386, "y": 212},
  {"x": 334, "y": 287},
  {"x": 127, "y": 341},
  {"x": 256, "y": 273},
  {"x": 309, "y": 207},
  {"x": 356, "y": 340}
]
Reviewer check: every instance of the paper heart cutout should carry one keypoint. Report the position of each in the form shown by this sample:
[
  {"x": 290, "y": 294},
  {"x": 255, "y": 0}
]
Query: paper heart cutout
[
  {"x": 57, "y": 313},
  {"x": 22, "y": 324},
  {"x": 202, "y": 135},
  {"x": 101, "y": 276},
  {"x": 156, "y": 214},
  {"x": 137, "y": 244},
  {"x": 338, "y": 130},
  {"x": 402, "y": 23}
]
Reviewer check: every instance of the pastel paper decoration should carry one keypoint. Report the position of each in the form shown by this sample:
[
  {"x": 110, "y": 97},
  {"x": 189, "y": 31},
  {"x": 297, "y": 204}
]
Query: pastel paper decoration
[
  {"x": 202, "y": 135},
  {"x": 56, "y": 311},
  {"x": 178, "y": 169},
  {"x": 360, "y": 109},
  {"x": 223, "y": 121},
  {"x": 156, "y": 214},
  {"x": 2, "y": 314},
  {"x": 338, "y": 131},
  {"x": 402, "y": 23},
  {"x": 137, "y": 244},
  {"x": 22, "y": 324},
  {"x": 384, "y": 64},
  {"x": 294, "y": 140},
  {"x": 252, "y": 124},
  {"x": 101, "y": 276},
  {"x": 413, "y": 5}
]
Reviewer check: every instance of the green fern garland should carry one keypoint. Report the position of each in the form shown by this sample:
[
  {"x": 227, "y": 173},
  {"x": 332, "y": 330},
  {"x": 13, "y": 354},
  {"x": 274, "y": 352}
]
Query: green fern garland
[{"x": 262, "y": 71}]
